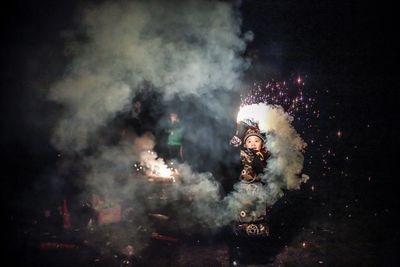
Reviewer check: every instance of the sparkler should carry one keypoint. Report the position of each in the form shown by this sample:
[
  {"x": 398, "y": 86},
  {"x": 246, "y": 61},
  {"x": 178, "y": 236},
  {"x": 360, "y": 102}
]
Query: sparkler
[{"x": 154, "y": 167}]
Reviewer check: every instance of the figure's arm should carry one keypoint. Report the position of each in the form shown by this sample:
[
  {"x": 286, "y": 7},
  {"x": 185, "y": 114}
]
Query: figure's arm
[
  {"x": 243, "y": 155},
  {"x": 241, "y": 128},
  {"x": 259, "y": 162},
  {"x": 247, "y": 172},
  {"x": 235, "y": 141},
  {"x": 239, "y": 135}
]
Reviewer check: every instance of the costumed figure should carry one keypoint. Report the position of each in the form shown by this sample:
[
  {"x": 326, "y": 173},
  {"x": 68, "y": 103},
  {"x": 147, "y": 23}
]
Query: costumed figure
[{"x": 254, "y": 155}]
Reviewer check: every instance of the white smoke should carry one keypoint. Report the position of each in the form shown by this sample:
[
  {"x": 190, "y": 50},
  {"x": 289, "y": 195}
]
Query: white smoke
[
  {"x": 154, "y": 165},
  {"x": 203, "y": 191},
  {"x": 90, "y": 101},
  {"x": 178, "y": 47},
  {"x": 284, "y": 168},
  {"x": 283, "y": 171},
  {"x": 109, "y": 166}
]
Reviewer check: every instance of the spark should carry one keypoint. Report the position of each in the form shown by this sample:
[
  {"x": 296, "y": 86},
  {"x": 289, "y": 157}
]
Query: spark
[
  {"x": 288, "y": 95},
  {"x": 300, "y": 101},
  {"x": 155, "y": 167}
]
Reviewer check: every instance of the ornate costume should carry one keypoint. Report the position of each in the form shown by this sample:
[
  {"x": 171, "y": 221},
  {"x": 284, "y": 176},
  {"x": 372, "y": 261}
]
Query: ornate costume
[
  {"x": 252, "y": 215},
  {"x": 253, "y": 163}
]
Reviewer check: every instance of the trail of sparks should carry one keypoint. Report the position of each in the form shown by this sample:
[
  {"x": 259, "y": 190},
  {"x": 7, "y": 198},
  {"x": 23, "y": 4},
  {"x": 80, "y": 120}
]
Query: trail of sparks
[
  {"x": 289, "y": 95},
  {"x": 295, "y": 98},
  {"x": 327, "y": 155}
]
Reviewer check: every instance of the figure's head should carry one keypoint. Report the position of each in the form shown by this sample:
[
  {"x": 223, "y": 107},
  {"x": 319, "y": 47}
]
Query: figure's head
[
  {"x": 137, "y": 106},
  {"x": 253, "y": 140},
  {"x": 173, "y": 117}
]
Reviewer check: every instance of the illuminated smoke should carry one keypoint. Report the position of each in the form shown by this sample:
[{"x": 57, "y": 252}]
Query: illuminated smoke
[
  {"x": 187, "y": 49},
  {"x": 283, "y": 171},
  {"x": 184, "y": 48},
  {"x": 148, "y": 158},
  {"x": 204, "y": 193},
  {"x": 284, "y": 168},
  {"x": 176, "y": 47}
]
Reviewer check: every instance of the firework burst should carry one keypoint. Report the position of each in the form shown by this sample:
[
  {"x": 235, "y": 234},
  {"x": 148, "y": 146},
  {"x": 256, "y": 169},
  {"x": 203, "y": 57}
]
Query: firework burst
[
  {"x": 290, "y": 95},
  {"x": 296, "y": 99}
]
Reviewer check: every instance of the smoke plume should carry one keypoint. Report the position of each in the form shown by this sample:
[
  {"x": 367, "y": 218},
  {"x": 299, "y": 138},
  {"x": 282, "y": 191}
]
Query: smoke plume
[
  {"x": 284, "y": 168},
  {"x": 181, "y": 49},
  {"x": 184, "y": 49},
  {"x": 178, "y": 47}
]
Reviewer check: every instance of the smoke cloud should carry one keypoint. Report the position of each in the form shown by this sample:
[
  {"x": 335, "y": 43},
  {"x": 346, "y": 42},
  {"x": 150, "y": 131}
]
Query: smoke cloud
[
  {"x": 284, "y": 168},
  {"x": 178, "y": 47},
  {"x": 184, "y": 49},
  {"x": 189, "y": 49},
  {"x": 283, "y": 171}
]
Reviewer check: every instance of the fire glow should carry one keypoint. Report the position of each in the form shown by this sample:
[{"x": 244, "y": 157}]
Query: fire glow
[{"x": 154, "y": 167}]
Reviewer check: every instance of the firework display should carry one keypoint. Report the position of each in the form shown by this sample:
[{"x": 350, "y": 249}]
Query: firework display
[{"x": 199, "y": 133}]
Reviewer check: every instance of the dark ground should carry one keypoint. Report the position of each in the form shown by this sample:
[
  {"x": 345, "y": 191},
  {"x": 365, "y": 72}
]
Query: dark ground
[
  {"x": 307, "y": 229},
  {"x": 334, "y": 220}
]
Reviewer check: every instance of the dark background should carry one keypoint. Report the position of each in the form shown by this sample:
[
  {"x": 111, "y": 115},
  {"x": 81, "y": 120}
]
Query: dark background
[{"x": 345, "y": 47}]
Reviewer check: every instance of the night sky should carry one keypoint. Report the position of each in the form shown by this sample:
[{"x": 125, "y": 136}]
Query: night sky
[{"x": 344, "y": 50}]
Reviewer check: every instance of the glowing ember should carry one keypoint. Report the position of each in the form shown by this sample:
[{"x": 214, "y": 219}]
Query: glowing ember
[
  {"x": 160, "y": 170},
  {"x": 155, "y": 167}
]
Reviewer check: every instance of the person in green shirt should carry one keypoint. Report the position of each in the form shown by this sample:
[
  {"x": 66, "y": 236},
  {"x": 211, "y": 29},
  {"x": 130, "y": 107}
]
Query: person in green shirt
[{"x": 174, "y": 140}]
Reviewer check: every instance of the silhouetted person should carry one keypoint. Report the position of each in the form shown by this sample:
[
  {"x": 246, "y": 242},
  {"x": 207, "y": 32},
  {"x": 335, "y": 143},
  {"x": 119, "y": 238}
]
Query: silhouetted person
[{"x": 174, "y": 140}]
